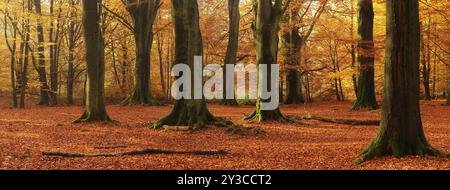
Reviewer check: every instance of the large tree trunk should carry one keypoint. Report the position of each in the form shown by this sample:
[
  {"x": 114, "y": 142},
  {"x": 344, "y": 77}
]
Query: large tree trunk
[
  {"x": 144, "y": 15},
  {"x": 401, "y": 132},
  {"x": 366, "y": 98},
  {"x": 188, "y": 44},
  {"x": 292, "y": 46},
  {"x": 44, "y": 89},
  {"x": 233, "y": 41},
  {"x": 266, "y": 28},
  {"x": 95, "y": 59}
]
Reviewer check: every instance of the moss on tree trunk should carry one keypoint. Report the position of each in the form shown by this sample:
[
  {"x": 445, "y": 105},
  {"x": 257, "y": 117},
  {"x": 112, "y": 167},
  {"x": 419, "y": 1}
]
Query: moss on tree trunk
[
  {"x": 401, "y": 132},
  {"x": 266, "y": 28},
  {"x": 188, "y": 44},
  {"x": 95, "y": 107}
]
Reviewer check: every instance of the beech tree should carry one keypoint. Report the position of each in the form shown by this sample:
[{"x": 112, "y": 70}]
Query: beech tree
[
  {"x": 143, "y": 13},
  {"x": 265, "y": 28},
  {"x": 401, "y": 132},
  {"x": 294, "y": 39},
  {"x": 366, "y": 51},
  {"x": 72, "y": 40},
  {"x": 44, "y": 88},
  {"x": 188, "y": 44},
  {"x": 95, "y": 109},
  {"x": 233, "y": 41}
]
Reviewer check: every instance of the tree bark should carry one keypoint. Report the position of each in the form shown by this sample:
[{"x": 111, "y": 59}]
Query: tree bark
[
  {"x": 401, "y": 132},
  {"x": 265, "y": 29},
  {"x": 44, "y": 89},
  {"x": 366, "y": 98},
  {"x": 144, "y": 15},
  {"x": 188, "y": 44},
  {"x": 233, "y": 41},
  {"x": 95, "y": 109},
  {"x": 292, "y": 46},
  {"x": 73, "y": 37}
]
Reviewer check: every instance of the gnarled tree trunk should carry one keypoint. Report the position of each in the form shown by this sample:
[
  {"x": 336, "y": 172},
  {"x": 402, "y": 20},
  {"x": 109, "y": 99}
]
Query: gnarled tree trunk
[
  {"x": 266, "y": 28},
  {"x": 188, "y": 44},
  {"x": 401, "y": 131}
]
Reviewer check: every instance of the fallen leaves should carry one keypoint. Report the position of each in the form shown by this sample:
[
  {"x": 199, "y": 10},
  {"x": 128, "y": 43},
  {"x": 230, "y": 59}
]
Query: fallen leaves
[{"x": 312, "y": 145}]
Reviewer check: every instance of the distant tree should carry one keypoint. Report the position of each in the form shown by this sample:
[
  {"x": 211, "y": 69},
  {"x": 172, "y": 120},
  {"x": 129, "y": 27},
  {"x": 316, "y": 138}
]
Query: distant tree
[
  {"x": 72, "y": 40},
  {"x": 426, "y": 67},
  {"x": 293, "y": 41},
  {"x": 54, "y": 38},
  {"x": 12, "y": 47},
  {"x": 448, "y": 83},
  {"x": 188, "y": 44},
  {"x": 95, "y": 109},
  {"x": 144, "y": 15},
  {"x": 44, "y": 88},
  {"x": 366, "y": 98},
  {"x": 401, "y": 132}
]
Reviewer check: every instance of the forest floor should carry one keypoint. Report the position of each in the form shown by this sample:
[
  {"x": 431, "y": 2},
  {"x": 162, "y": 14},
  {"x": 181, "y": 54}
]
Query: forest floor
[{"x": 25, "y": 134}]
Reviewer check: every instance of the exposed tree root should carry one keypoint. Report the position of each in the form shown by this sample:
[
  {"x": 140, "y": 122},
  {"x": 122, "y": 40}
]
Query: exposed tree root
[
  {"x": 377, "y": 149},
  {"x": 90, "y": 117},
  {"x": 263, "y": 116},
  {"x": 343, "y": 121},
  {"x": 135, "y": 152}
]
